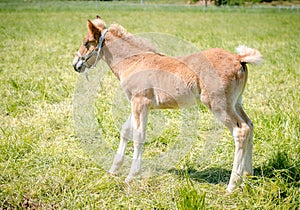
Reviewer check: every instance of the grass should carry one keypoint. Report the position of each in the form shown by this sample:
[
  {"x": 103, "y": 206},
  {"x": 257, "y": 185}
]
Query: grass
[{"x": 43, "y": 163}]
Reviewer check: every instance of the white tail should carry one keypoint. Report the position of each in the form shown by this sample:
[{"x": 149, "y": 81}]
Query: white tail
[{"x": 249, "y": 55}]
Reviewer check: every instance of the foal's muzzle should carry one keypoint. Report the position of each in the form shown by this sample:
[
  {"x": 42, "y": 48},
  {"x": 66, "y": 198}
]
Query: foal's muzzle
[{"x": 79, "y": 64}]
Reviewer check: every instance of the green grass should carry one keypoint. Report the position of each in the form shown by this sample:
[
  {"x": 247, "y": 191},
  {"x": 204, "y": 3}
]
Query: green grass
[{"x": 42, "y": 162}]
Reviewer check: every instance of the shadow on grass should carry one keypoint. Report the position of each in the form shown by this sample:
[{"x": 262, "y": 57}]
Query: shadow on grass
[
  {"x": 280, "y": 166},
  {"x": 211, "y": 175}
]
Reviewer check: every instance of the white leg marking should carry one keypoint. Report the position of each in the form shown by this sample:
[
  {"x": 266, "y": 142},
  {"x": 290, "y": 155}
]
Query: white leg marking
[
  {"x": 126, "y": 134},
  {"x": 241, "y": 138}
]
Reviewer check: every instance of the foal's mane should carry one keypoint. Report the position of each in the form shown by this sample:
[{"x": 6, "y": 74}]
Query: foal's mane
[{"x": 135, "y": 41}]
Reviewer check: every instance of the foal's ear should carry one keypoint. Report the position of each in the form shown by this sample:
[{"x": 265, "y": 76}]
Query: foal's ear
[{"x": 91, "y": 27}]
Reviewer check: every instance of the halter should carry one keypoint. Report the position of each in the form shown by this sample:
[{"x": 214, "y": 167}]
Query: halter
[{"x": 97, "y": 51}]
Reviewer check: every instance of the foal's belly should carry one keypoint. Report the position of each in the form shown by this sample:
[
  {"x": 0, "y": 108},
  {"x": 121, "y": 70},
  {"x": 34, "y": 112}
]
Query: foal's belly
[{"x": 179, "y": 98}]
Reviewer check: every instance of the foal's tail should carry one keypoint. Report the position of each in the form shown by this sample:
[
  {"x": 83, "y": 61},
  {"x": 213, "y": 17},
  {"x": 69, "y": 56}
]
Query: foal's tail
[{"x": 248, "y": 55}]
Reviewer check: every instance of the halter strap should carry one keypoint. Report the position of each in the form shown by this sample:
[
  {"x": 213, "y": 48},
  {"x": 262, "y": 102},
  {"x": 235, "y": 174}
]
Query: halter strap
[{"x": 101, "y": 39}]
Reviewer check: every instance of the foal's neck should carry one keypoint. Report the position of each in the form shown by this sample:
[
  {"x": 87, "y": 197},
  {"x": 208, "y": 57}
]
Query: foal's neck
[{"x": 120, "y": 50}]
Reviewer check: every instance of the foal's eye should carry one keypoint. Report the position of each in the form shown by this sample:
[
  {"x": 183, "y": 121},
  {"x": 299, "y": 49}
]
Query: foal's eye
[{"x": 85, "y": 44}]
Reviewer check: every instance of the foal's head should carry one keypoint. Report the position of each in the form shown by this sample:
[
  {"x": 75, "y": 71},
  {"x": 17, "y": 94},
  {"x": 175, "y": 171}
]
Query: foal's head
[{"x": 90, "y": 49}]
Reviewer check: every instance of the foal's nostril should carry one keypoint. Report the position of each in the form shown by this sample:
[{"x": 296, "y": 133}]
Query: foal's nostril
[{"x": 76, "y": 68}]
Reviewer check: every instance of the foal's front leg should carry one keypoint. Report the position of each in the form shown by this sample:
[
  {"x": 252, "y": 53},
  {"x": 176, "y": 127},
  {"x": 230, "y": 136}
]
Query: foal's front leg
[
  {"x": 126, "y": 134},
  {"x": 140, "y": 110}
]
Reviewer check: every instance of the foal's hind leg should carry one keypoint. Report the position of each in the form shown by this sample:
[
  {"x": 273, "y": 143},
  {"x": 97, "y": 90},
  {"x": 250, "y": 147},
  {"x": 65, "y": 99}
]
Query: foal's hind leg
[
  {"x": 248, "y": 170},
  {"x": 126, "y": 134},
  {"x": 241, "y": 132}
]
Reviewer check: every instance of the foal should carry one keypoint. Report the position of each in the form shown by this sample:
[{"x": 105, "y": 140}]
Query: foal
[{"x": 151, "y": 80}]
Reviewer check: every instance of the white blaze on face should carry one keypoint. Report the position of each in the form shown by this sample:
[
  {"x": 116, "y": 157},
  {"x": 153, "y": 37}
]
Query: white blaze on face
[
  {"x": 78, "y": 62},
  {"x": 75, "y": 61}
]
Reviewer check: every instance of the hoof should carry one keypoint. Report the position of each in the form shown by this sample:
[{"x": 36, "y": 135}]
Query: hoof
[
  {"x": 128, "y": 180},
  {"x": 113, "y": 174},
  {"x": 230, "y": 189}
]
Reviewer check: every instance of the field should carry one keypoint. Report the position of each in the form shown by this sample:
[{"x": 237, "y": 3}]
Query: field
[{"x": 44, "y": 162}]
